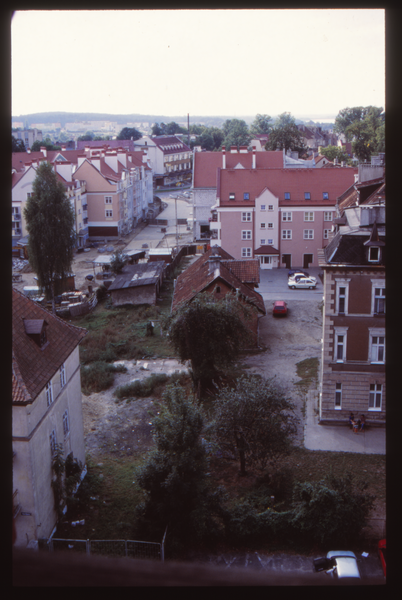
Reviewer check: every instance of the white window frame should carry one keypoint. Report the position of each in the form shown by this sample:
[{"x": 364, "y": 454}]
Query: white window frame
[
  {"x": 270, "y": 207},
  {"x": 262, "y": 242},
  {"x": 108, "y": 216},
  {"x": 246, "y": 252},
  {"x": 246, "y": 217},
  {"x": 340, "y": 332},
  {"x": 374, "y": 260},
  {"x": 309, "y": 215},
  {"x": 308, "y": 234},
  {"x": 328, "y": 215},
  {"x": 263, "y": 207},
  {"x": 326, "y": 233},
  {"x": 338, "y": 396},
  {"x": 232, "y": 196},
  {"x": 66, "y": 423},
  {"x": 342, "y": 283},
  {"x": 376, "y": 346},
  {"x": 246, "y": 234},
  {"x": 270, "y": 225},
  {"x": 286, "y": 234},
  {"x": 49, "y": 393},
  {"x": 262, "y": 225},
  {"x": 286, "y": 216},
  {"x": 377, "y": 284},
  {"x": 375, "y": 392},
  {"x": 270, "y": 242},
  {"x": 63, "y": 380},
  {"x": 108, "y": 200}
]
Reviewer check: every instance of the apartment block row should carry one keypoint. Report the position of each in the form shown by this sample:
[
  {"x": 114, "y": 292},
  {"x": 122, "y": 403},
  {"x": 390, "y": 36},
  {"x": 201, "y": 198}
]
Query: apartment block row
[{"x": 110, "y": 189}]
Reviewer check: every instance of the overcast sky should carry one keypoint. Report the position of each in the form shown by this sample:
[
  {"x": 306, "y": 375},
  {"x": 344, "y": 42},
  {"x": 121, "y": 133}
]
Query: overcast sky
[{"x": 311, "y": 63}]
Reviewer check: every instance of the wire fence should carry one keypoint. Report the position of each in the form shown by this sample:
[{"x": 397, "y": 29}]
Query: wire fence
[{"x": 127, "y": 548}]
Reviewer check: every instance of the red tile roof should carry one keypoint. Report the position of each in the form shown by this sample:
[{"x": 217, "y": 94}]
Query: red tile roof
[
  {"x": 279, "y": 181},
  {"x": 164, "y": 141},
  {"x": 206, "y": 164},
  {"x": 33, "y": 366},
  {"x": 196, "y": 278},
  {"x": 247, "y": 270}
]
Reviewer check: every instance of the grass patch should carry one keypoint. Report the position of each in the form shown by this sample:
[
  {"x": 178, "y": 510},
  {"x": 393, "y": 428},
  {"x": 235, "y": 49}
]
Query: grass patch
[
  {"x": 99, "y": 376},
  {"x": 151, "y": 386},
  {"x": 307, "y": 369}
]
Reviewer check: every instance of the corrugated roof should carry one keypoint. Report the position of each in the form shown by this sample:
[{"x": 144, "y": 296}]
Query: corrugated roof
[
  {"x": 139, "y": 275},
  {"x": 33, "y": 366}
]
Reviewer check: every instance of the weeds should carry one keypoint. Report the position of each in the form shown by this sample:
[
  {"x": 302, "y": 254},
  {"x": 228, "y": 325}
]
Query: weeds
[
  {"x": 148, "y": 387},
  {"x": 99, "y": 376}
]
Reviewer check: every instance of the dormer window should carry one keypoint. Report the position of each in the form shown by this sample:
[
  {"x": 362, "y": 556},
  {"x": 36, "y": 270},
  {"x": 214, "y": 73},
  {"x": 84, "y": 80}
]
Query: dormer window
[
  {"x": 231, "y": 196},
  {"x": 36, "y": 330},
  {"x": 374, "y": 254}
]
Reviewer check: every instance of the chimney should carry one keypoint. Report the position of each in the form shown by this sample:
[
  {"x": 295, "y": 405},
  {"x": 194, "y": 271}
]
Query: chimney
[
  {"x": 254, "y": 157},
  {"x": 214, "y": 261},
  {"x": 44, "y": 151},
  {"x": 233, "y": 149},
  {"x": 243, "y": 149},
  {"x": 223, "y": 157}
]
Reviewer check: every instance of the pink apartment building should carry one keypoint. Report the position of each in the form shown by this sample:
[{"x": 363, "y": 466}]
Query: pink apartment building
[{"x": 283, "y": 216}]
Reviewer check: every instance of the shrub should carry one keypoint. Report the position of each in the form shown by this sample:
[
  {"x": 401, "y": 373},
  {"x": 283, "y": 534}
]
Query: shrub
[
  {"x": 141, "y": 389},
  {"x": 98, "y": 376}
]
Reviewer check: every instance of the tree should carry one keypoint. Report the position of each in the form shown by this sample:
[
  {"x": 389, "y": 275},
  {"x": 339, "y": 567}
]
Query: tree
[
  {"x": 172, "y": 128},
  {"x": 210, "y": 333},
  {"x": 332, "y": 152},
  {"x": 50, "y": 225},
  {"x": 365, "y": 127},
  {"x": 128, "y": 133},
  {"x": 254, "y": 421},
  {"x": 286, "y": 135},
  {"x": 158, "y": 129},
  {"x": 118, "y": 261},
  {"x": 261, "y": 124},
  {"x": 174, "y": 475},
  {"x": 86, "y": 137},
  {"x": 17, "y": 145},
  {"x": 236, "y": 133},
  {"x": 46, "y": 143},
  {"x": 210, "y": 138}
]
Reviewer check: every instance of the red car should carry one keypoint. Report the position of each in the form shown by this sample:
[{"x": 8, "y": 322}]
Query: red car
[
  {"x": 280, "y": 308},
  {"x": 382, "y": 548}
]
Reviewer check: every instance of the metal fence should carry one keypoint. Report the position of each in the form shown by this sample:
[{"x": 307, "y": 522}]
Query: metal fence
[{"x": 128, "y": 548}]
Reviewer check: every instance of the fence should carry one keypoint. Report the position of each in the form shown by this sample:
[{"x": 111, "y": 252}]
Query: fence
[{"x": 128, "y": 548}]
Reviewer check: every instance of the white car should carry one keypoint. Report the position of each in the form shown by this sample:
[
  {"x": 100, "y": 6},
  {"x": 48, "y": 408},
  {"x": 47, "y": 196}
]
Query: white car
[
  {"x": 302, "y": 283},
  {"x": 296, "y": 277},
  {"x": 344, "y": 565}
]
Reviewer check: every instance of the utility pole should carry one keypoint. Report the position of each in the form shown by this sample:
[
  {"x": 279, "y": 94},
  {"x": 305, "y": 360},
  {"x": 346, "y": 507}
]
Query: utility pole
[{"x": 177, "y": 240}]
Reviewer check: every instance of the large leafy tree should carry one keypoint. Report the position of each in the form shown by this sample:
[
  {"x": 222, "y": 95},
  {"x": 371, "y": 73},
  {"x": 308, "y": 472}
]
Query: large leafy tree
[
  {"x": 365, "y": 127},
  {"x": 254, "y": 421},
  {"x": 47, "y": 143},
  {"x": 174, "y": 476},
  {"x": 261, "y": 124},
  {"x": 210, "y": 333},
  {"x": 50, "y": 225},
  {"x": 129, "y": 132},
  {"x": 210, "y": 138},
  {"x": 17, "y": 145},
  {"x": 332, "y": 152},
  {"x": 236, "y": 133},
  {"x": 286, "y": 135}
]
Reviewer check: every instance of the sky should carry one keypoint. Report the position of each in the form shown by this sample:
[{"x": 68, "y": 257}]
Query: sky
[{"x": 311, "y": 63}]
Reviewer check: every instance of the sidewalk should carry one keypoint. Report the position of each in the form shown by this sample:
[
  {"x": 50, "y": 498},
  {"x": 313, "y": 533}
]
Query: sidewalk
[{"x": 338, "y": 438}]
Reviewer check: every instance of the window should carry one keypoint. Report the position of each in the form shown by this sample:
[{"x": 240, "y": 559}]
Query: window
[
  {"x": 246, "y": 216},
  {"x": 270, "y": 242},
  {"x": 287, "y": 195},
  {"x": 263, "y": 207},
  {"x": 326, "y": 233},
  {"x": 49, "y": 393},
  {"x": 340, "y": 344},
  {"x": 231, "y": 196},
  {"x": 246, "y": 196},
  {"x": 375, "y": 396},
  {"x": 338, "y": 396},
  {"x": 246, "y": 252},
  {"x": 29, "y": 194},
  {"x": 270, "y": 225},
  {"x": 263, "y": 225},
  {"x": 307, "y": 195},
  {"x": 108, "y": 200},
  {"x": 286, "y": 216},
  {"x": 63, "y": 375},
  {"x": 309, "y": 216},
  {"x": 378, "y": 297},
  {"x": 286, "y": 234},
  {"x": 325, "y": 195},
  {"x": 246, "y": 234},
  {"x": 342, "y": 293},
  {"x": 109, "y": 214},
  {"x": 270, "y": 207},
  {"x": 262, "y": 242},
  {"x": 308, "y": 234},
  {"x": 374, "y": 254},
  {"x": 377, "y": 346},
  {"x": 66, "y": 425},
  {"x": 52, "y": 440},
  {"x": 327, "y": 215}
]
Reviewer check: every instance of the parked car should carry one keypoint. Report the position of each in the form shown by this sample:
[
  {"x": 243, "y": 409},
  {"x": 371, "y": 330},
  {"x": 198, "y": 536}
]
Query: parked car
[
  {"x": 340, "y": 564},
  {"x": 280, "y": 308},
  {"x": 302, "y": 283},
  {"x": 295, "y": 271},
  {"x": 89, "y": 277},
  {"x": 382, "y": 549},
  {"x": 297, "y": 276}
]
